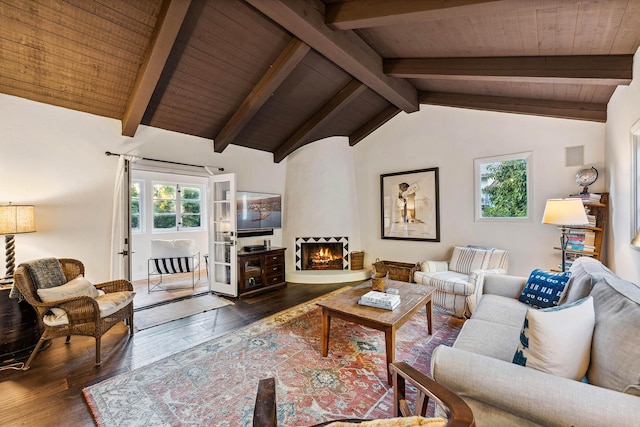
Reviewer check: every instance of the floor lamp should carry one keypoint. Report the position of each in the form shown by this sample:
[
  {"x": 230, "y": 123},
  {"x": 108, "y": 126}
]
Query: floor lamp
[
  {"x": 563, "y": 213},
  {"x": 15, "y": 219}
]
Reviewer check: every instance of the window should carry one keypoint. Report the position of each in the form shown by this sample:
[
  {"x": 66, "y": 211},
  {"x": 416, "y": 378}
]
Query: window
[
  {"x": 136, "y": 192},
  {"x": 503, "y": 187},
  {"x": 177, "y": 207}
]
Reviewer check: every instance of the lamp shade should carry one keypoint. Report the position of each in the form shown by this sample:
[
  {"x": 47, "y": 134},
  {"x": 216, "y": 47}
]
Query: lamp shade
[
  {"x": 16, "y": 219},
  {"x": 636, "y": 240},
  {"x": 564, "y": 212}
]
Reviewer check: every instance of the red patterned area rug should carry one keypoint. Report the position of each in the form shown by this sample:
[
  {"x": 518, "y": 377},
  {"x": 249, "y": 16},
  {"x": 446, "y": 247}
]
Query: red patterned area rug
[{"x": 215, "y": 383}]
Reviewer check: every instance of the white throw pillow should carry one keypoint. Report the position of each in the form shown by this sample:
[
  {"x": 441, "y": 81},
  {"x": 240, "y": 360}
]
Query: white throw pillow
[
  {"x": 77, "y": 287},
  {"x": 173, "y": 248},
  {"x": 557, "y": 340}
]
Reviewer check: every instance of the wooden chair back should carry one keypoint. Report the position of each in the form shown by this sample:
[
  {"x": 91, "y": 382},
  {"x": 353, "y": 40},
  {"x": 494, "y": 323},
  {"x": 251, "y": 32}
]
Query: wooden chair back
[{"x": 458, "y": 413}]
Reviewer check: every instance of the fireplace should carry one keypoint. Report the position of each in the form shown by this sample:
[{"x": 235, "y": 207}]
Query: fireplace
[{"x": 322, "y": 253}]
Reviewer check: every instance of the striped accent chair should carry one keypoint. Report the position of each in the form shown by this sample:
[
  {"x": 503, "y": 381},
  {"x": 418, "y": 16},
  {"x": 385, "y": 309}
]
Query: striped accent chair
[
  {"x": 459, "y": 280},
  {"x": 172, "y": 257}
]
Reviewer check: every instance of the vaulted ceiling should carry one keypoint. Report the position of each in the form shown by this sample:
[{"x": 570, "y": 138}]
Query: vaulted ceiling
[{"x": 275, "y": 75}]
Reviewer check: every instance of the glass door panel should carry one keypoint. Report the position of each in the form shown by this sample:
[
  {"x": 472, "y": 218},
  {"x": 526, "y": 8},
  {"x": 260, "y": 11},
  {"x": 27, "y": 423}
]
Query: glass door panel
[{"x": 222, "y": 241}]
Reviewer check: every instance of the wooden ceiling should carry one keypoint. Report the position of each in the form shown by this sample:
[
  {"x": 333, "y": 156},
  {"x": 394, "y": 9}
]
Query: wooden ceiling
[{"x": 275, "y": 75}]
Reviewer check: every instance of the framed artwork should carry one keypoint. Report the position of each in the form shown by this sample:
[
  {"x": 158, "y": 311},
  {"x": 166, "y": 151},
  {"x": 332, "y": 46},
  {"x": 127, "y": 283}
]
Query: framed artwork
[{"x": 410, "y": 205}]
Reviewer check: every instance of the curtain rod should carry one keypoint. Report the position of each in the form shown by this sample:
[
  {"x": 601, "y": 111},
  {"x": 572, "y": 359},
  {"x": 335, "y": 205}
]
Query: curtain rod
[{"x": 109, "y": 153}]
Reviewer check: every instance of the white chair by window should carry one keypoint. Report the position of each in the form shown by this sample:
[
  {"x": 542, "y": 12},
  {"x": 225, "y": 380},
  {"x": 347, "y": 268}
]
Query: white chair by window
[{"x": 172, "y": 257}]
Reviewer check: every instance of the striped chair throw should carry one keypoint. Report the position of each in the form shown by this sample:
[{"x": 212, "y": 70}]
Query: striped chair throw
[{"x": 173, "y": 265}]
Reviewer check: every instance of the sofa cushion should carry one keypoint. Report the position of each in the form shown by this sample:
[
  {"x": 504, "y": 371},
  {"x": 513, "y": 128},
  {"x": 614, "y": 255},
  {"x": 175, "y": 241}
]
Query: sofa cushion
[
  {"x": 557, "y": 340},
  {"x": 585, "y": 271},
  {"x": 446, "y": 281},
  {"x": 615, "y": 353},
  {"x": 172, "y": 248},
  {"x": 489, "y": 339},
  {"x": 498, "y": 259},
  {"x": 464, "y": 260},
  {"x": 544, "y": 289},
  {"x": 107, "y": 303},
  {"x": 502, "y": 310}
]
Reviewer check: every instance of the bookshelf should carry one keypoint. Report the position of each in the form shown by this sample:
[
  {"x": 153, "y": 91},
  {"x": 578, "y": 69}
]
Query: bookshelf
[{"x": 587, "y": 240}]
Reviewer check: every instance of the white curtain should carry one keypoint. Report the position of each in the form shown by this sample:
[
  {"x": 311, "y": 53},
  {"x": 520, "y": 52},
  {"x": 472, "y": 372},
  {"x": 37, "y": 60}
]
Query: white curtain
[{"x": 119, "y": 221}]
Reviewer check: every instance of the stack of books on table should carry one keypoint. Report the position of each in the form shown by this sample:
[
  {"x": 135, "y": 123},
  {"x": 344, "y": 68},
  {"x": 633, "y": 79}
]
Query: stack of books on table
[{"x": 380, "y": 300}]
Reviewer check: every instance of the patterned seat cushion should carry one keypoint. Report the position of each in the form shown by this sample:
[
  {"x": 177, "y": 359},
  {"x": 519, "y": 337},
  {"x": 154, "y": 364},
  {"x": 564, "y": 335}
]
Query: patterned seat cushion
[
  {"x": 107, "y": 303},
  {"x": 446, "y": 281}
]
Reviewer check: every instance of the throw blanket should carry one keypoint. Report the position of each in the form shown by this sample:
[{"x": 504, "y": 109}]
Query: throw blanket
[{"x": 45, "y": 273}]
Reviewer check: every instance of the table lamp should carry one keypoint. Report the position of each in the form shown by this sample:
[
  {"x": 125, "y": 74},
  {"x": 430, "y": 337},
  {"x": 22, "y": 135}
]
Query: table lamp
[
  {"x": 15, "y": 219},
  {"x": 564, "y": 212}
]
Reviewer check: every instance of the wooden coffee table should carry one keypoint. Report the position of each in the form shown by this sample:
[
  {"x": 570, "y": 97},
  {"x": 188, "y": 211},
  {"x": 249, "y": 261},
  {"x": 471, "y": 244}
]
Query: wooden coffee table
[{"x": 345, "y": 306}]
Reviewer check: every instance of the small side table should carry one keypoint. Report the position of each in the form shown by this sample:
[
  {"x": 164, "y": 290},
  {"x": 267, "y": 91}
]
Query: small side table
[{"x": 19, "y": 329}]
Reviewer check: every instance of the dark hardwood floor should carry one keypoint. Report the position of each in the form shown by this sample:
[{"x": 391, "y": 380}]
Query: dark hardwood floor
[{"x": 50, "y": 393}]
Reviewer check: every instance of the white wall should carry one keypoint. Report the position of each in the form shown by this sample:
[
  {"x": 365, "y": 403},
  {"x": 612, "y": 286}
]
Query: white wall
[
  {"x": 623, "y": 111},
  {"x": 451, "y": 139},
  {"x": 321, "y": 195},
  {"x": 53, "y": 158}
]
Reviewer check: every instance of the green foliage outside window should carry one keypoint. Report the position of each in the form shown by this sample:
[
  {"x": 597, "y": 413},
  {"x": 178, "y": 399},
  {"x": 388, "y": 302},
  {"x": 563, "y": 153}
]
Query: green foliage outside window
[
  {"x": 173, "y": 200},
  {"x": 135, "y": 193},
  {"x": 164, "y": 221},
  {"x": 190, "y": 193},
  {"x": 191, "y": 221},
  {"x": 164, "y": 191},
  {"x": 164, "y": 206},
  {"x": 506, "y": 192}
]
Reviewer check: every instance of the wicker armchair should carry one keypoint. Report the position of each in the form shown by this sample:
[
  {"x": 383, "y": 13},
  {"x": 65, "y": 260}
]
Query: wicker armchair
[{"x": 83, "y": 312}]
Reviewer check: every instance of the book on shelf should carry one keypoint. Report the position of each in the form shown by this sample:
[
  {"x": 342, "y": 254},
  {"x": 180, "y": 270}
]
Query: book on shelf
[
  {"x": 588, "y": 197},
  {"x": 380, "y": 300},
  {"x": 587, "y": 248}
]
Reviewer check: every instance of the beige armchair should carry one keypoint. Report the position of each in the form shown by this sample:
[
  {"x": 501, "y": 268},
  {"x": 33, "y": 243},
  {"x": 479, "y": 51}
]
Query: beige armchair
[
  {"x": 80, "y": 307},
  {"x": 458, "y": 280}
]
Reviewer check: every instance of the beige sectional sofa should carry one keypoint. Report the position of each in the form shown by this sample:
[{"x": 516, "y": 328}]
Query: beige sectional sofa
[{"x": 479, "y": 365}]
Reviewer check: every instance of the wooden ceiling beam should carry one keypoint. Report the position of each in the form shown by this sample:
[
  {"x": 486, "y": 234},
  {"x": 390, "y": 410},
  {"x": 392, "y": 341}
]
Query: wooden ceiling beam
[
  {"x": 351, "y": 15},
  {"x": 336, "y": 104},
  {"x": 378, "y": 120},
  {"x": 166, "y": 31},
  {"x": 286, "y": 62},
  {"x": 589, "y": 69},
  {"x": 305, "y": 19},
  {"x": 537, "y": 107}
]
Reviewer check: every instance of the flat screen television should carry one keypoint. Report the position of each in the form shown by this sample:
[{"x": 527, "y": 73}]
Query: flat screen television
[{"x": 258, "y": 211}]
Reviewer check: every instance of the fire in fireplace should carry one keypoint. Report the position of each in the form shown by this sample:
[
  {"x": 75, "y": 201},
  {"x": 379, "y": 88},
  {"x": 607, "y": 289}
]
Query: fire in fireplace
[{"x": 322, "y": 256}]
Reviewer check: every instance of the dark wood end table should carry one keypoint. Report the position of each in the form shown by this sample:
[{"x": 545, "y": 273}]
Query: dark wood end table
[{"x": 345, "y": 306}]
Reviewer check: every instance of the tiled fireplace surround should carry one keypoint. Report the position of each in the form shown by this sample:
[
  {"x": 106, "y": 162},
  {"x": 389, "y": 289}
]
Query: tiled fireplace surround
[{"x": 323, "y": 242}]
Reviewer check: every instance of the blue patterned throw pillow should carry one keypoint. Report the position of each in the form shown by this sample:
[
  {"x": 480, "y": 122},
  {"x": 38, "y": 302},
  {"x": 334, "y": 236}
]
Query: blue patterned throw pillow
[{"x": 544, "y": 289}]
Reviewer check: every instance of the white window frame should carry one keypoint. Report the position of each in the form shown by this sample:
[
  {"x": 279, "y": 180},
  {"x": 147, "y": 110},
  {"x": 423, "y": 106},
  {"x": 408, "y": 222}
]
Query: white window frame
[
  {"x": 634, "y": 133},
  {"x": 479, "y": 162},
  {"x": 141, "y": 206},
  {"x": 178, "y": 201}
]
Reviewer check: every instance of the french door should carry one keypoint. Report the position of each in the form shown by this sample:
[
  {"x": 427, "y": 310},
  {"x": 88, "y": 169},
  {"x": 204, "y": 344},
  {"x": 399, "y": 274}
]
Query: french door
[{"x": 222, "y": 235}]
